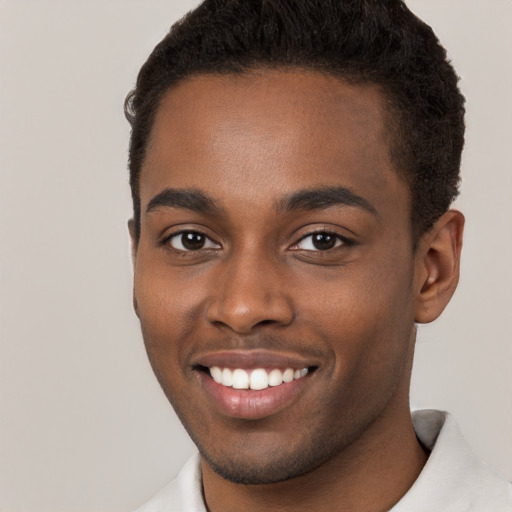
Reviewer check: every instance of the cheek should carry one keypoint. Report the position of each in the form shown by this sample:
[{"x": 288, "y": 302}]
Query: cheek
[
  {"x": 363, "y": 295},
  {"x": 365, "y": 316},
  {"x": 165, "y": 308},
  {"x": 162, "y": 297}
]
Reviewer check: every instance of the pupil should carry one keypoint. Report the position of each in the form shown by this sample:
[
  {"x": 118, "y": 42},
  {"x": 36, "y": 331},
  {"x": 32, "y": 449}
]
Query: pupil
[
  {"x": 324, "y": 241},
  {"x": 192, "y": 241}
]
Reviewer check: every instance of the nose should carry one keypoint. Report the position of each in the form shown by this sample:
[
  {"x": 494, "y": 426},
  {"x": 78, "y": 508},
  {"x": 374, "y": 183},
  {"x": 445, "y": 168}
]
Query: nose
[{"x": 250, "y": 293}]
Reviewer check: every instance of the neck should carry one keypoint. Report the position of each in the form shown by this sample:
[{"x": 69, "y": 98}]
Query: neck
[{"x": 371, "y": 475}]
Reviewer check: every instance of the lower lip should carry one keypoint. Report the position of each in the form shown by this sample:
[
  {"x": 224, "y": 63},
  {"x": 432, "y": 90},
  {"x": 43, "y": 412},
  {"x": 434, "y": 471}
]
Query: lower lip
[{"x": 252, "y": 405}]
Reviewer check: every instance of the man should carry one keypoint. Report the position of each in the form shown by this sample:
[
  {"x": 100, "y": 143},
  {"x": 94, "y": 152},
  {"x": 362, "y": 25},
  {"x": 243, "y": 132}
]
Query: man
[{"x": 292, "y": 167}]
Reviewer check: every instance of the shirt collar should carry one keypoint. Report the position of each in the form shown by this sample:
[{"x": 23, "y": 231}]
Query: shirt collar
[{"x": 453, "y": 479}]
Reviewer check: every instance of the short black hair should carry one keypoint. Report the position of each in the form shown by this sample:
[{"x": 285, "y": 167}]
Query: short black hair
[{"x": 378, "y": 42}]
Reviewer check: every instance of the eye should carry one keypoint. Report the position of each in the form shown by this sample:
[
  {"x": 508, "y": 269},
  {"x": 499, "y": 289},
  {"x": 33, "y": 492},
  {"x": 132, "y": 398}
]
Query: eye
[
  {"x": 320, "y": 241},
  {"x": 191, "y": 241}
]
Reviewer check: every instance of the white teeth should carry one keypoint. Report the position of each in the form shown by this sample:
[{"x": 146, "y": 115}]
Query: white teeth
[
  {"x": 216, "y": 374},
  {"x": 240, "y": 379},
  {"x": 275, "y": 377},
  {"x": 288, "y": 375},
  {"x": 256, "y": 379},
  {"x": 259, "y": 379},
  {"x": 227, "y": 377}
]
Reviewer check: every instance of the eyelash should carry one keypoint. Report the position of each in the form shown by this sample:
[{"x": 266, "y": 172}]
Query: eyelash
[
  {"x": 340, "y": 240},
  {"x": 167, "y": 240}
]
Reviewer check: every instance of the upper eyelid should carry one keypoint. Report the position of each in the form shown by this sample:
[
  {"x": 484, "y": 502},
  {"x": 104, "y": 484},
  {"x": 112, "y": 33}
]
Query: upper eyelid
[
  {"x": 344, "y": 238},
  {"x": 323, "y": 230},
  {"x": 333, "y": 226},
  {"x": 168, "y": 235}
]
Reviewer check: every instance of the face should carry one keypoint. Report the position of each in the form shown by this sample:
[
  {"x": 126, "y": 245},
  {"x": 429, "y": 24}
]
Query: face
[{"x": 274, "y": 275}]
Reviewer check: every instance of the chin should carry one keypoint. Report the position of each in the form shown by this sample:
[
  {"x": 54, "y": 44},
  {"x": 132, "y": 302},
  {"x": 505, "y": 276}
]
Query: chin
[
  {"x": 260, "y": 461},
  {"x": 261, "y": 473}
]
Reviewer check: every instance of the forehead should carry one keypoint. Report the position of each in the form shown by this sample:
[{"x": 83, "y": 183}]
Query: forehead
[{"x": 280, "y": 130}]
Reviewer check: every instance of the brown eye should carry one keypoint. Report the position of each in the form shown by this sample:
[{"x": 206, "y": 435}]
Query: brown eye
[
  {"x": 191, "y": 241},
  {"x": 324, "y": 241},
  {"x": 321, "y": 241}
]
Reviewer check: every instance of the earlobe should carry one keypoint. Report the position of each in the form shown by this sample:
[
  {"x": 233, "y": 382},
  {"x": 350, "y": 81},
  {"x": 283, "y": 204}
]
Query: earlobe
[{"x": 438, "y": 264}]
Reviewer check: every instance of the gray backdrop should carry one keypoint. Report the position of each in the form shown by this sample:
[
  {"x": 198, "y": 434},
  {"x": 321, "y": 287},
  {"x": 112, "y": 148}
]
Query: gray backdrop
[{"x": 83, "y": 423}]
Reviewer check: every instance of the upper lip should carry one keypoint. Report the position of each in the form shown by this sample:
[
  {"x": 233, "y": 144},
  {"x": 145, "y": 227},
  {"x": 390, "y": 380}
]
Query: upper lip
[{"x": 251, "y": 359}]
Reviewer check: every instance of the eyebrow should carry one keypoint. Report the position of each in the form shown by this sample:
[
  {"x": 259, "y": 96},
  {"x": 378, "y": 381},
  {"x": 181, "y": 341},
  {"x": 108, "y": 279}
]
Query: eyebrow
[
  {"x": 324, "y": 197},
  {"x": 302, "y": 200},
  {"x": 189, "y": 199}
]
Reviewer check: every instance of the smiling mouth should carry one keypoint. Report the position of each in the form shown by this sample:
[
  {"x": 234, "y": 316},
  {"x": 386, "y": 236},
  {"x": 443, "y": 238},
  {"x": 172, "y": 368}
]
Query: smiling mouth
[
  {"x": 253, "y": 385},
  {"x": 256, "y": 379}
]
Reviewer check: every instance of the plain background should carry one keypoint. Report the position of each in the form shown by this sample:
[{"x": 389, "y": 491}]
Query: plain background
[{"x": 83, "y": 424}]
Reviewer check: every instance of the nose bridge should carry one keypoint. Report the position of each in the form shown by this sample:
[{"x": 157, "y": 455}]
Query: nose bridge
[{"x": 250, "y": 291}]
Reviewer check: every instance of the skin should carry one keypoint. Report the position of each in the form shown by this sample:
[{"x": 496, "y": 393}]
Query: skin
[{"x": 250, "y": 142}]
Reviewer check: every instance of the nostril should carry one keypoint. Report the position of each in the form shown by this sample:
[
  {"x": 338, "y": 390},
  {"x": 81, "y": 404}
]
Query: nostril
[{"x": 266, "y": 322}]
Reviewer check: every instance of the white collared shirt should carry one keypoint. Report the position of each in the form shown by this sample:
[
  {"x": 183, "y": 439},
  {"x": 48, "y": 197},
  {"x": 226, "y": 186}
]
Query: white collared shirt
[{"x": 453, "y": 479}]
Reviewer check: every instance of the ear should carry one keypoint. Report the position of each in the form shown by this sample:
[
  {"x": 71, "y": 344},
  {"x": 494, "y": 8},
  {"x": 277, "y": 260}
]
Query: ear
[
  {"x": 438, "y": 265},
  {"x": 134, "y": 241},
  {"x": 134, "y": 246}
]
